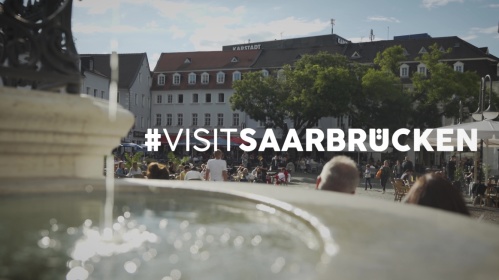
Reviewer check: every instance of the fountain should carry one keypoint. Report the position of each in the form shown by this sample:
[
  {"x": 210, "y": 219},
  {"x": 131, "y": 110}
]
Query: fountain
[{"x": 53, "y": 202}]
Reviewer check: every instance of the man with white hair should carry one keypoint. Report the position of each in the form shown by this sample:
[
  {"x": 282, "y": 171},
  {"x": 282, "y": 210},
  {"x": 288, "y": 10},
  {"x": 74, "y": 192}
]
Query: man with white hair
[{"x": 340, "y": 174}]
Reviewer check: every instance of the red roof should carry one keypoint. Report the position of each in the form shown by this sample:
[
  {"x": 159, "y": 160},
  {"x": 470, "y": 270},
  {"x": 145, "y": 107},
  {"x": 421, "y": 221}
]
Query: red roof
[{"x": 170, "y": 62}]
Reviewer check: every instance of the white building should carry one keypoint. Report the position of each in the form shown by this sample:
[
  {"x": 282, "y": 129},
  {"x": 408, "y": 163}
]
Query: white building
[{"x": 134, "y": 83}]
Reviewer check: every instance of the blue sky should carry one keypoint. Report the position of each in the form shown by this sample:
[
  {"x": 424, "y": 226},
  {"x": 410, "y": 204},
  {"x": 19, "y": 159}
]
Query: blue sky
[{"x": 156, "y": 26}]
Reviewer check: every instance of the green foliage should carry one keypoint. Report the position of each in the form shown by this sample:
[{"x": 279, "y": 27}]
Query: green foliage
[
  {"x": 177, "y": 160},
  {"x": 316, "y": 86},
  {"x": 137, "y": 157}
]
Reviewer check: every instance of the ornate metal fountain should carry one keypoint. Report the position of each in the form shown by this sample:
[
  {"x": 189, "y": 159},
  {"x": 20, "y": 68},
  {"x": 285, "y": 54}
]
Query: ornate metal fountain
[{"x": 36, "y": 46}]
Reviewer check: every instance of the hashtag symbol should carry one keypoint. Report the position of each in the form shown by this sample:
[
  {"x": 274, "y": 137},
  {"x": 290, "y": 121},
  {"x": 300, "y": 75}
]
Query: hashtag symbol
[{"x": 152, "y": 140}]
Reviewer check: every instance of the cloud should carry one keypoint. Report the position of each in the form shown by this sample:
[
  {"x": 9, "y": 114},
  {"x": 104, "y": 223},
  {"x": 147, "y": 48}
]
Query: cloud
[
  {"x": 435, "y": 3},
  {"x": 97, "y": 6},
  {"x": 469, "y": 37},
  {"x": 381, "y": 18},
  {"x": 212, "y": 36},
  {"x": 90, "y": 28},
  {"x": 494, "y": 6},
  {"x": 487, "y": 30},
  {"x": 176, "y": 32}
]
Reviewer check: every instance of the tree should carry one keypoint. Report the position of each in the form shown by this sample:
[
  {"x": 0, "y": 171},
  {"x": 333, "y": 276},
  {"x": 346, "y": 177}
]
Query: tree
[{"x": 316, "y": 86}]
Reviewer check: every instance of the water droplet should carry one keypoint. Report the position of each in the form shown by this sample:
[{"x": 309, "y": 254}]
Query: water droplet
[
  {"x": 278, "y": 265},
  {"x": 238, "y": 241},
  {"x": 71, "y": 230},
  {"x": 130, "y": 267},
  {"x": 89, "y": 188},
  {"x": 163, "y": 223},
  {"x": 184, "y": 225},
  {"x": 175, "y": 274},
  {"x": 173, "y": 258},
  {"x": 256, "y": 240},
  {"x": 44, "y": 243},
  {"x": 77, "y": 273}
]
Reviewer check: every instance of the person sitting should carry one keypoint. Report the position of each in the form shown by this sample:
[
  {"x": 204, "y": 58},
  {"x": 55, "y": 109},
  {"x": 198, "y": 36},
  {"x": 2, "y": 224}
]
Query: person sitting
[
  {"x": 282, "y": 177},
  {"x": 120, "y": 171},
  {"x": 182, "y": 174},
  {"x": 157, "y": 171},
  {"x": 193, "y": 174},
  {"x": 436, "y": 191},
  {"x": 340, "y": 174},
  {"x": 407, "y": 176},
  {"x": 135, "y": 171}
]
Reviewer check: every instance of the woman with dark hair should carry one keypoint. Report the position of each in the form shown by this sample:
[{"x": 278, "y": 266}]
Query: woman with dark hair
[
  {"x": 436, "y": 191},
  {"x": 157, "y": 171}
]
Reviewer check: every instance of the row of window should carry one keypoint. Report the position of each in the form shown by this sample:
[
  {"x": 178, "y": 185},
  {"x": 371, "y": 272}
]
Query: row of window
[
  {"x": 195, "y": 98},
  {"x": 95, "y": 93},
  {"x": 144, "y": 99},
  {"x": 404, "y": 69},
  {"x": 205, "y": 77},
  {"x": 195, "y": 119},
  {"x": 192, "y": 78}
]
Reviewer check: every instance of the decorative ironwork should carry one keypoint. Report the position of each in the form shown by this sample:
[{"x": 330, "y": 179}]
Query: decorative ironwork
[{"x": 36, "y": 45}]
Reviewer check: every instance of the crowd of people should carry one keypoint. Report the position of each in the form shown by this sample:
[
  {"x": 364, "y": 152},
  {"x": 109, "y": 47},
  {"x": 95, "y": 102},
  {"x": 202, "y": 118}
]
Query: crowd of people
[{"x": 340, "y": 174}]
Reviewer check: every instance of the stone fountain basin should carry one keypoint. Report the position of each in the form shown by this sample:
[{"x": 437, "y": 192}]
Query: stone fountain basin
[{"x": 362, "y": 238}]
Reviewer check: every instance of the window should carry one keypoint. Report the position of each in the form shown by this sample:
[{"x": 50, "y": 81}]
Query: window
[
  {"x": 236, "y": 76},
  {"x": 205, "y": 78},
  {"x": 180, "y": 119},
  {"x": 95, "y": 93},
  {"x": 422, "y": 50},
  {"x": 159, "y": 99},
  {"x": 118, "y": 97},
  {"x": 136, "y": 97},
  {"x": 180, "y": 98},
  {"x": 161, "y": 79},
  {"x": 207, "y": 119},
  {"x": 192, "y": 79},
  {"x": 221, "y": 98},
  {"x": 102, "y": 94},
  {"x": 459, "y": 67},
  {"x": 158, "y": 119},
  {"x": 355, "y": 55},
  {"x": 142, "y": 124},
  {"x": 176, "y": 79},
  {"x": 235, "y": 119},
  {"x": 195, "y": 98},
  {"x": 169, "y": 119},
  {"x": 207, "y": 98},
  {"x": 234, "y": 59},
  {"x": 422, "y": 69},
  {"x": 88, "y": 90},
  {"x": 194, "y": 119},
  {"x": 220, "y": 77},
  {"x": 280, "y": 75},
  {"x": 265, "y": 73},
  {"x": 220, "y": 119},
  {"x": 143, "y": 100},
  {"x": 404, "y": 70},
  {"x": 170, "y": 98}
]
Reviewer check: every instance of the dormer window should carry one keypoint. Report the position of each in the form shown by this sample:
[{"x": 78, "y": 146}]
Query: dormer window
[
  {"x": 404, "y": 71},
  {"x": 220, "y": 77},
  {"x": 176, "y": 79},
  {"x": 406, "y": 53},
  {"x": 422, "y": 50},
  {"x": 161, "y": 79},
  {"x": 234, "y": 59},
  {"x": 441, "y": 49},
  {"x": 459, "y": 67},
  {"x": 187, "y": 60},
  {"x": 236, "y": 76},
  {"x": 355, "y": 55},
  {"x": 265, "y": 73},
  {"x": 205, "y": 78},
  {"x": 192, "y": 78},
  {"x": 280, "y": 75},
  {"x": 422, "y": 69}
]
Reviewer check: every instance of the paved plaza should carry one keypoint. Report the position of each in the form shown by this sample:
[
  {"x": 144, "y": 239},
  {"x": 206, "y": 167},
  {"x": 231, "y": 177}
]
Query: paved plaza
[{"x": 307, "y": 181}]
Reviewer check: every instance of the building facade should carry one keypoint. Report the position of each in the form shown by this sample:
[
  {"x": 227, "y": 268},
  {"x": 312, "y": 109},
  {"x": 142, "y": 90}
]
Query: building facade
[{"x": 134, "y": 86}]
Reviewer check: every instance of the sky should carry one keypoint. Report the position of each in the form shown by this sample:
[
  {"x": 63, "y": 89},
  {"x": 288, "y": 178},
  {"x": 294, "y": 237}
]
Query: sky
[{"x": 157, "y": 26}]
